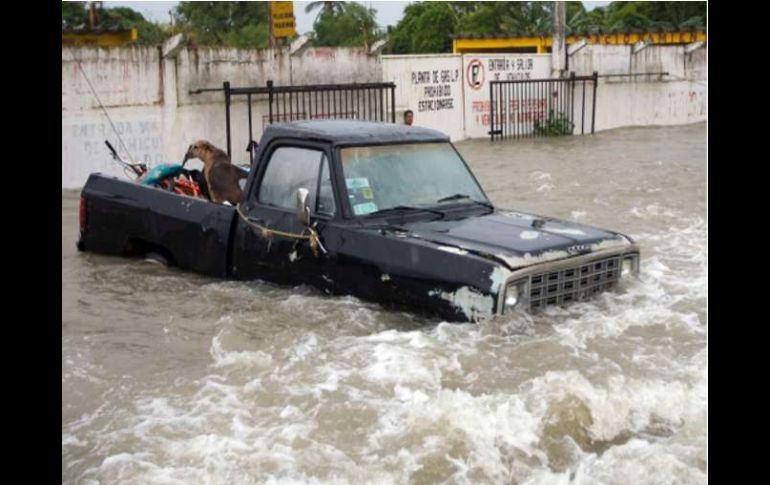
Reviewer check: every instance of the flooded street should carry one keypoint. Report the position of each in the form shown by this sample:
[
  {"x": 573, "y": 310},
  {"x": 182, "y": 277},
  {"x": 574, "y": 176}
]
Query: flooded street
[{"x": 172, "y": 377}]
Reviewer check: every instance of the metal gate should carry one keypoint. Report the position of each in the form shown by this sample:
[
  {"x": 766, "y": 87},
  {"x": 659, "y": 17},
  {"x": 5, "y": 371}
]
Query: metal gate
[
  {"x": 542, "y": 107},
  {"x": 367, "y": 101}
]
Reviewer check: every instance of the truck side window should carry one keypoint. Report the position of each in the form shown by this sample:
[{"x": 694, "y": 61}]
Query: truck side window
[{"x": 291, "y": 168}]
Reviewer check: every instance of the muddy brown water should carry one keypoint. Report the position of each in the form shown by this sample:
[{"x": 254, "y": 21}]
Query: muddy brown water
[{"x": 171, "y": 377}]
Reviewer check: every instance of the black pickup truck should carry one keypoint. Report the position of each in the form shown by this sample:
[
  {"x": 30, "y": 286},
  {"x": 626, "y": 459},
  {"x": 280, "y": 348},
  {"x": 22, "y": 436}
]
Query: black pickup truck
[{"x": 385, "y": 212}]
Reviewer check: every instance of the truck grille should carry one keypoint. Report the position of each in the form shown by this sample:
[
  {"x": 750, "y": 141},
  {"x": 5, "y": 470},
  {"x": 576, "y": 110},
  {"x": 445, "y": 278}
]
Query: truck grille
[{"x": 573, "y": 284}]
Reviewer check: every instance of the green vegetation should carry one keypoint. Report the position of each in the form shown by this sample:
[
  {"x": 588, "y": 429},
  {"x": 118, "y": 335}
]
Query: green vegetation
[
  {"x": 75, "y": 14},
  {"x": 556, "y": 124},
  {"x": 229, "y": 24},
  {"x": 347, "y": 25},
  {"x": 425, "y": 27}
]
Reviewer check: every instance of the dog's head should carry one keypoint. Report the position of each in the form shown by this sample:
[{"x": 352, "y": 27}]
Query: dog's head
[{"x": 201, "y": 149}]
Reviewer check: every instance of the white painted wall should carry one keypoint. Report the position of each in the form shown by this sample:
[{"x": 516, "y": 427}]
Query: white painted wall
[
  {"x": 678, "y": 98},
  {"x": 326, "y": 65},
  {"x": 121, "y": 76},
  {"x": 149, "y": 102},
  {"x": 148, "y": 99},
  {"x": 431, "y": 86},
  {"x": 479, "y": 69}
]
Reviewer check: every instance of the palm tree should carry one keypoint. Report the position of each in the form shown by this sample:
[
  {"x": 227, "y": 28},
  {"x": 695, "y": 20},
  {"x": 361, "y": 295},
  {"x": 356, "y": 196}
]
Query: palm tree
[
  {"x": 329, "y": 7},
  {"x": 526, "y": 17},
  {"x": 678, "y": 15}
]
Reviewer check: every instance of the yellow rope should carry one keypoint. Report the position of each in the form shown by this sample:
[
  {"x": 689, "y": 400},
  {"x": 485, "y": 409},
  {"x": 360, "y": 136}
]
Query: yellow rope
[{"x": 312, "y": 237}]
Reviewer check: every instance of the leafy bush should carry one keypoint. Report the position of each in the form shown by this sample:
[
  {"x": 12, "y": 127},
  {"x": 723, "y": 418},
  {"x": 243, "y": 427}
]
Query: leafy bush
[{"x": 556, "y": 124}]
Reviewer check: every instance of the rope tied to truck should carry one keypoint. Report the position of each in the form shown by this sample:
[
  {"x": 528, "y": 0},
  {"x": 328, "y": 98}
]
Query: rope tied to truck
[{"x": 267, "y": 233}]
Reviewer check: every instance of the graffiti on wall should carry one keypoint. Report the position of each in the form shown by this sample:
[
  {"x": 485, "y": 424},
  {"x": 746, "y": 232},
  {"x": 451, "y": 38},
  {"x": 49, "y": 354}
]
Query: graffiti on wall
[
  {"x": 83, "y": 146},
  {"x": 142, "y": 139}
]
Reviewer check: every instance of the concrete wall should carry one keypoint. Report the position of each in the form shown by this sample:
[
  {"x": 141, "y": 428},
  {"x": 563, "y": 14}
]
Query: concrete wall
[
  {"x": 480, "y": 69},
  {"x": 148, "y": 96},
  {"x": 450, "y": 93},
  {"x": 325, "y": 65},
  {"x": 121, "y": 77},
  {"x": 431, "y": 86},
  {"x": 149, "y": 102},
  {"x": 678, "y": 98}
]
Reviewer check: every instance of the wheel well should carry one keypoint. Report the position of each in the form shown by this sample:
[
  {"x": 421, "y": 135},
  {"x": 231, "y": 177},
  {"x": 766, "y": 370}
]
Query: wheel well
[{"x": 140, "y": 247}]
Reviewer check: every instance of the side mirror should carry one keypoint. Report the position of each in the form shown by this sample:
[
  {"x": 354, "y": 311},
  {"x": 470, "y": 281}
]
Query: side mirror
[{"x": 303, "y": 206}]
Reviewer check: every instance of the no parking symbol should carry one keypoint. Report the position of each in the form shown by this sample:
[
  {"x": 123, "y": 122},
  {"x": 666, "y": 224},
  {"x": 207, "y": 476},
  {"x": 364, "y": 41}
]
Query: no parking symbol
[{"x": 475, "y": 74}]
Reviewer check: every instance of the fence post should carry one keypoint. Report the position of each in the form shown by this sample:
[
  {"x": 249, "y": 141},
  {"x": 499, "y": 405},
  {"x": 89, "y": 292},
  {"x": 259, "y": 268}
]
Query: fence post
[
  {"x": 251, "y": 134},
  {"x": 393, "y": 103},
  {"x": 572, "y": 101},
  {"x": 593, "y": 113},
  {"x": 270, "y": 100},
  {"x": 491, "y": 113},
  {"x": 226, "y": 87}
]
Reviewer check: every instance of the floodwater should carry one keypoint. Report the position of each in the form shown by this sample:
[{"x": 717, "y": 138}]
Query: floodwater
[{"x": 171, "y": 377}]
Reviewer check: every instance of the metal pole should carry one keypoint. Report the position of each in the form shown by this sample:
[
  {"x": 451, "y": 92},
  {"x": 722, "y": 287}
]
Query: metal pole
[
  {"x": 583, "y": 112},
  {"x": 593, "y": 113},
  {"x": 382, "y": 106},
  {"x": 517, "y": 115},
  {"x": 572, "y": 100},
  {"x": 270, "y": 100},
  {"x": 251, "y": 133},
  {"x": 393, "y": 103},
  {"x": 226, "y": 87},
  {"x": 491, "y": 111}
]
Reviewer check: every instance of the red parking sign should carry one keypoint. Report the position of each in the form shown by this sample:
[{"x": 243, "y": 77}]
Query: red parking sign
[{"x": 475, "y": 74}]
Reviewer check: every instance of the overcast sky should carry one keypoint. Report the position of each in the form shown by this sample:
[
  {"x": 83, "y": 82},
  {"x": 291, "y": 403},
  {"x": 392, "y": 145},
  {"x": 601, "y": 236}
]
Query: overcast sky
[{"x": 388, "y": 13}]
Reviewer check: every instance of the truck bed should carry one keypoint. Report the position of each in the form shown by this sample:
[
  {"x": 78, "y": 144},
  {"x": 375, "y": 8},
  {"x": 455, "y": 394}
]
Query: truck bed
[{"x": 126, "y": 218}]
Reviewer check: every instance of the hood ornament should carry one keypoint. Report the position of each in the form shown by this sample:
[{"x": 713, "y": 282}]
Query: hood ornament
[{"x": 579, "y": 249}]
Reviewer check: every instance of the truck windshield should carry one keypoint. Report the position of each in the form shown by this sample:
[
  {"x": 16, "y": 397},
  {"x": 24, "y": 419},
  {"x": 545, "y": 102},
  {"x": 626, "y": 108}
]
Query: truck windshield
[{"x": 420, "y": 175}]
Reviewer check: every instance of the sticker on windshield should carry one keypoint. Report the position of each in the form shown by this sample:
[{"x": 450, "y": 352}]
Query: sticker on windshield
[
  {"x": 365, "y": 208},
  {"x": 361, "y": 195},
  {"x": 357, "y": 183}
]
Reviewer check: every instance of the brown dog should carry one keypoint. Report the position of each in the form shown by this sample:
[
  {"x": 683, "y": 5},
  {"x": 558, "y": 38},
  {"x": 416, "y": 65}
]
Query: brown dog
[{"x": 221, "y": 176}]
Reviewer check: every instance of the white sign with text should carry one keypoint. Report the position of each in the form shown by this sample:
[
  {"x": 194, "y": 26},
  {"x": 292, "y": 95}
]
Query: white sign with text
[{"x": 479, "y": 69}]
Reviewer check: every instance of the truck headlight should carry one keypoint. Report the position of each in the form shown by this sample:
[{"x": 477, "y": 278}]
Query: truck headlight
[
  {"x": 630, "y": 265},
  {"x": 514, "y": 293}
]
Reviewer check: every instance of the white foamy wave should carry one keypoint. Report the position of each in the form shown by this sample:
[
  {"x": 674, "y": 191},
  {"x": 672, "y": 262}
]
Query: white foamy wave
[
  {"x": 224, "y": 357},
  {"x": 653, "y": 211}
]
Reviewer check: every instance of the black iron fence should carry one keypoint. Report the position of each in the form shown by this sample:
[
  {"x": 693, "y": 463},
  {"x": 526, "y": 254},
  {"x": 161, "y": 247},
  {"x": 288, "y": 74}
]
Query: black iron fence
[
  {"x": 542, "y": 107},
  {"x": 359, "y": 101}
]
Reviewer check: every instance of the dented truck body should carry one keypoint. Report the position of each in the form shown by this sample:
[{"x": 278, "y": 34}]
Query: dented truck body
[{"x": 454, "y": 256}]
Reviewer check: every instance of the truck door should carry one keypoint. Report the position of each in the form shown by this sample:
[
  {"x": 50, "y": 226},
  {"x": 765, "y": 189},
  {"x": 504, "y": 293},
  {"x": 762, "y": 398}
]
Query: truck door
[{"x": 267, "y": 242}]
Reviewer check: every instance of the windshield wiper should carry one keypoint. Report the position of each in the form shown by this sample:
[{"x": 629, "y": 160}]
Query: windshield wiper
[
  {"x": 464, "y": 196},
  {"x": 400, "y": 209}
]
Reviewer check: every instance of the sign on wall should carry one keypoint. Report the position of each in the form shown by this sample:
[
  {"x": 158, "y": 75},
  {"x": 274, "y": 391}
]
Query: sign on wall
[
  {"x": 430, "y": 86},
  {"x": 479, "y": 69}
]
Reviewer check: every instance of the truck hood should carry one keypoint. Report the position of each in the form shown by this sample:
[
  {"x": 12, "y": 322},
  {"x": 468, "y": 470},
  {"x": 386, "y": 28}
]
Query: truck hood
[{"x": 515, "y": 238}]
